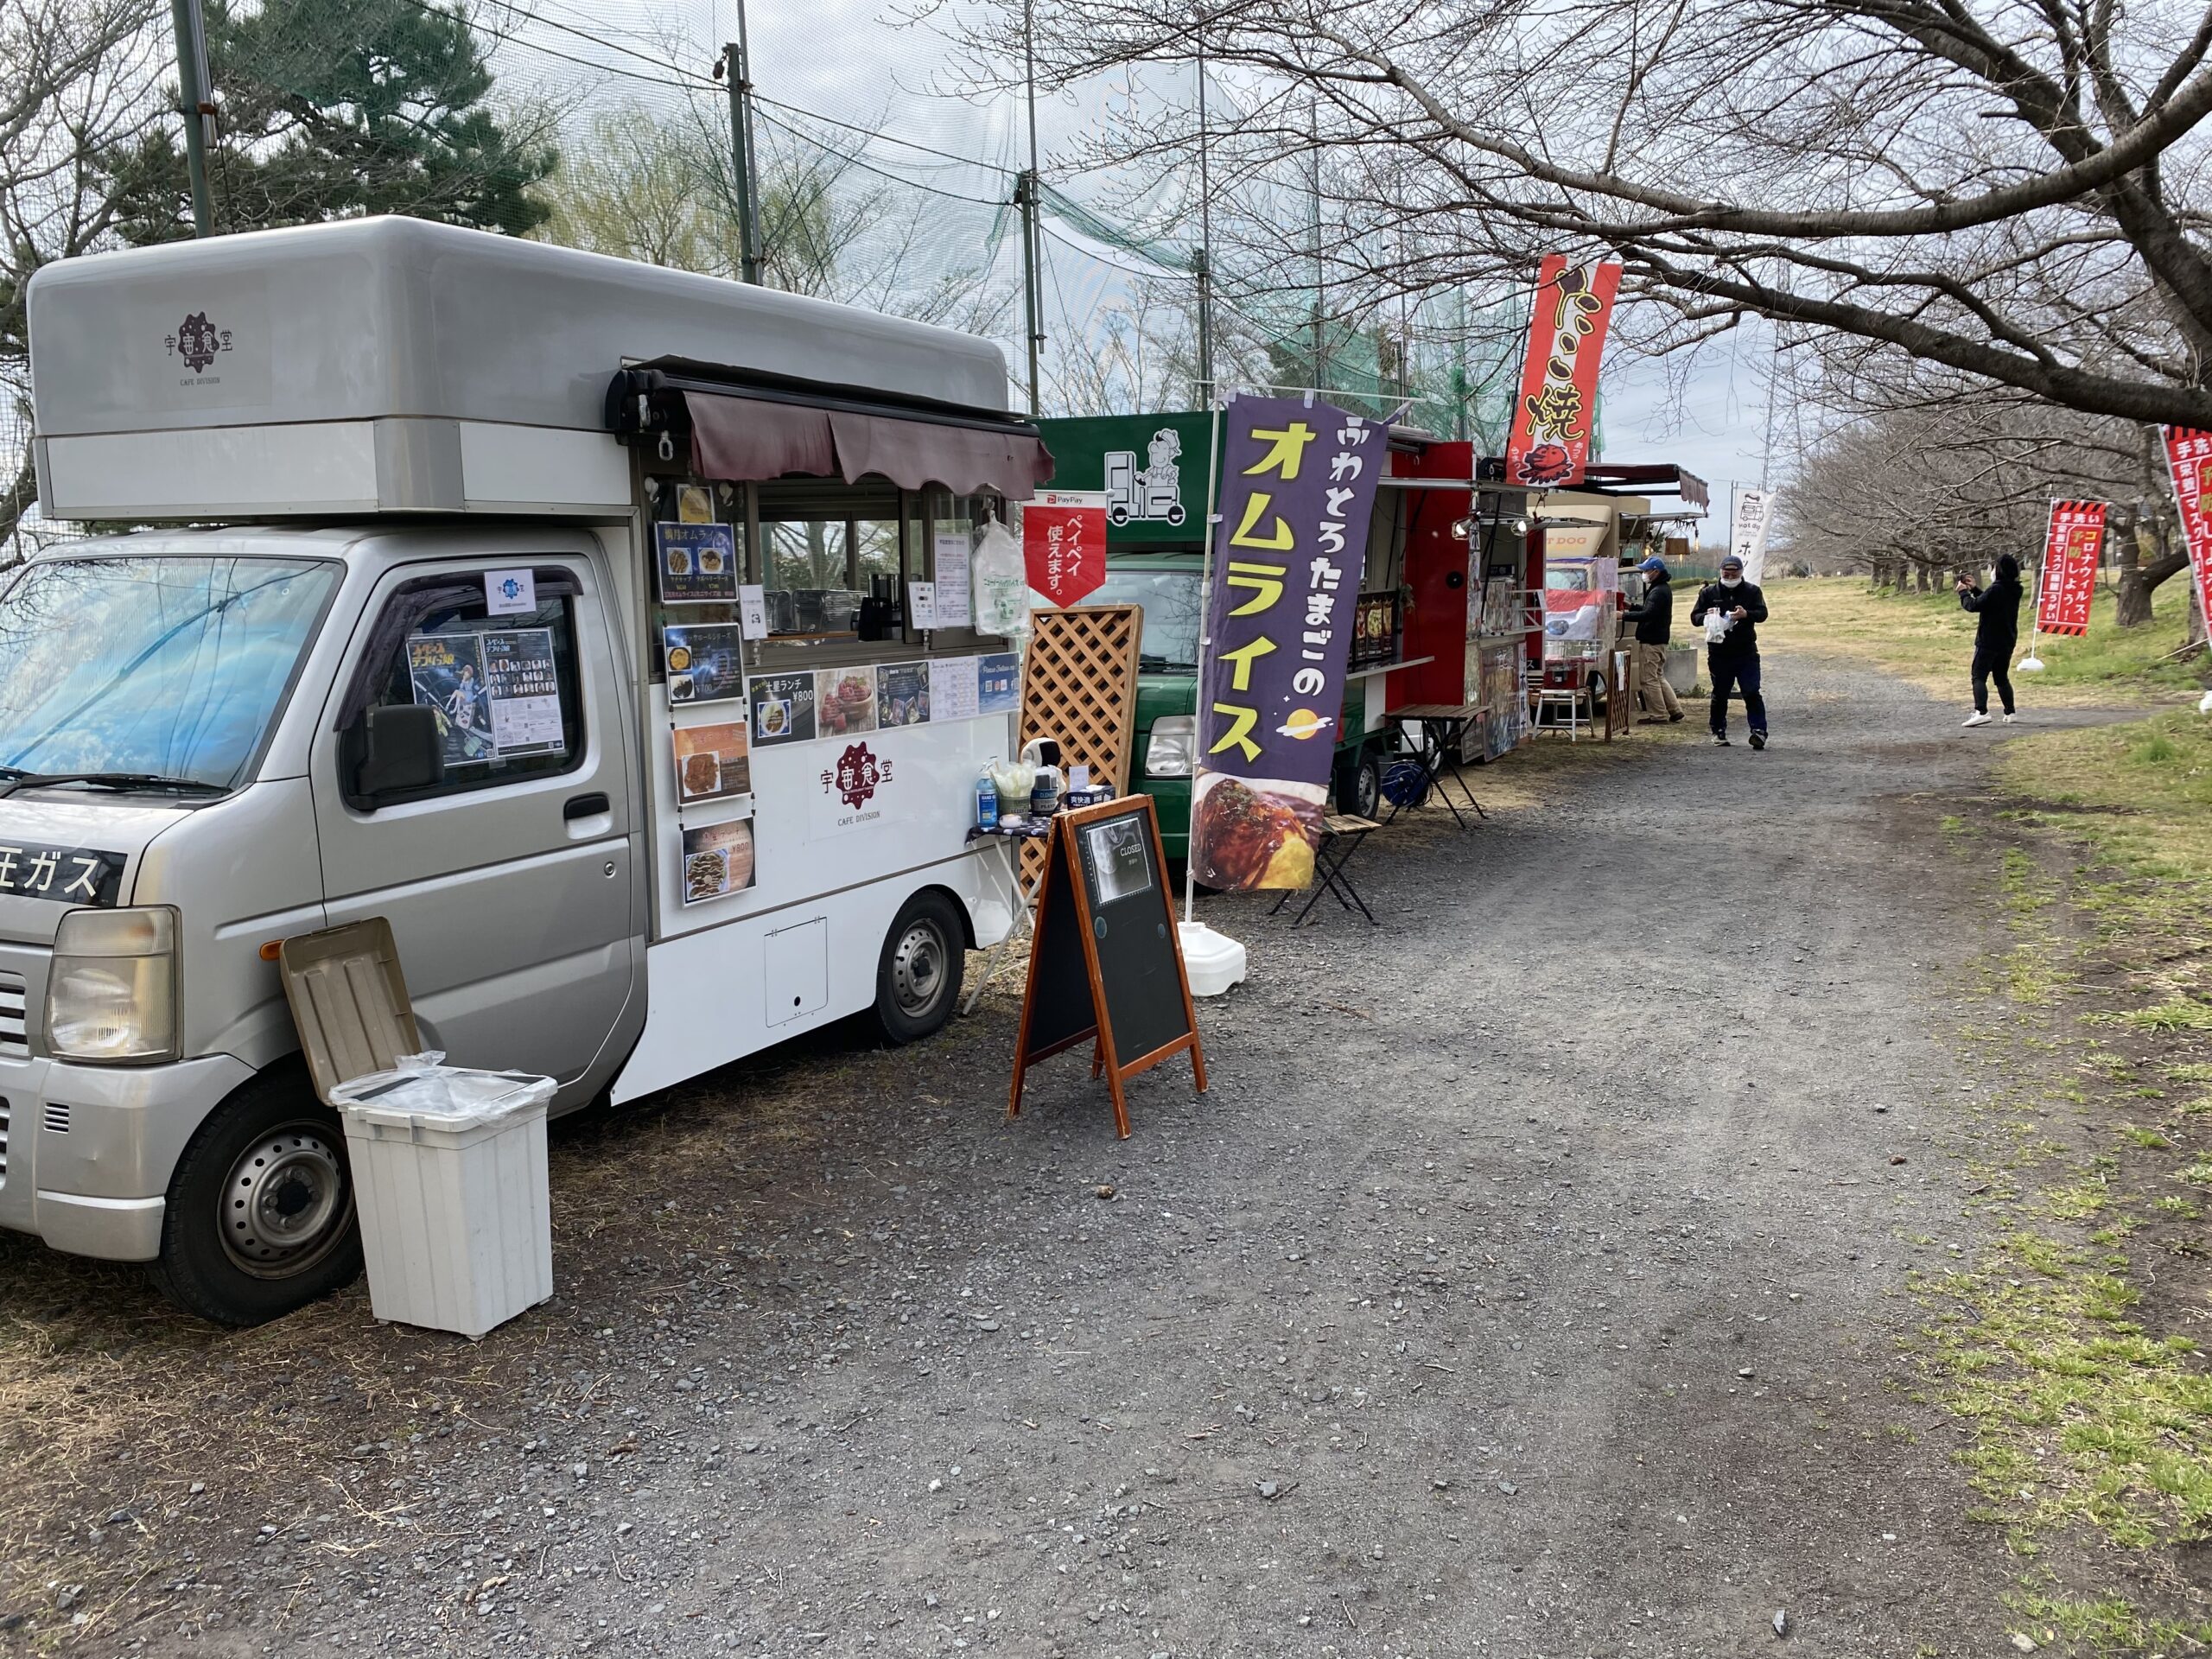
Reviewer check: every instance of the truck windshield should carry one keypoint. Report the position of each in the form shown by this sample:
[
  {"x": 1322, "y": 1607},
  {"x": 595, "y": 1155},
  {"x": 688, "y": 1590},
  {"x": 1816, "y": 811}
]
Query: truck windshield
[
  {"x": 1171, "y": 600},
  {"x": 161, "y": 670}
]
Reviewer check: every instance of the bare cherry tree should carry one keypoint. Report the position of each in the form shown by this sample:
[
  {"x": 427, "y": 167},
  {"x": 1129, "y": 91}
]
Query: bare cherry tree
[
  {"x": 2013, "y": 189},
  {"x": 82, "y": 78}
]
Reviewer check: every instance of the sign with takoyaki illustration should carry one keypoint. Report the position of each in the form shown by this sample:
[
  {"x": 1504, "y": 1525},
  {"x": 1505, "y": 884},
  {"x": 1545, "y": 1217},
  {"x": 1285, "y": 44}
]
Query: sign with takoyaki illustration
[
  {"x": 696, "y": 563},
  {"x": 1557, "y": 411},
  {"x": 1297, "y": 490}
]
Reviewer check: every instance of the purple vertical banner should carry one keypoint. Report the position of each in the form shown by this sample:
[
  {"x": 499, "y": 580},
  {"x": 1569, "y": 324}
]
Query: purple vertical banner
[{"x": 1297, "y": 484}]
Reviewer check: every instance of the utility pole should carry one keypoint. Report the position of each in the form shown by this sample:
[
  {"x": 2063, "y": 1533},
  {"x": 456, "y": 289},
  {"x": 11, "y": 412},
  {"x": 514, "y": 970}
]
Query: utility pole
[
  {"x": 195, "y": 103},
  {"x": 738, "y": 67},
  {"x": 1024, "y": 197},
  {"x": 1459, "y": 364}
]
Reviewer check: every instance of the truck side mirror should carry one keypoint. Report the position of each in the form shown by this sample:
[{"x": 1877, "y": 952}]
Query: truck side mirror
[{"x": 401, "y": 751}]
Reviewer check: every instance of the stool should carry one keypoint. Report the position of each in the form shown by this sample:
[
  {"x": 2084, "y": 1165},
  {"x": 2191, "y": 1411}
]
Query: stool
[
  {"x": 1573, "y": 701},
  {"x": 1341, "y": 836}
]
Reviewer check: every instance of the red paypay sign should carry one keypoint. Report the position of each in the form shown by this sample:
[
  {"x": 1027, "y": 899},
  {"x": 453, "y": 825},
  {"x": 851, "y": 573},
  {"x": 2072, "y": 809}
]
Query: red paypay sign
[
  {"x": 2070, "y": 567},
  {"x": 1064, "y": 543}
]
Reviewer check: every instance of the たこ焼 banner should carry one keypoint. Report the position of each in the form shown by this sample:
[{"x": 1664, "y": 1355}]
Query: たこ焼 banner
[
  {"x": 2068, "y": 580},
  {"x": 1557, "y": 411},
  {"x": 1297, "y": 485}
]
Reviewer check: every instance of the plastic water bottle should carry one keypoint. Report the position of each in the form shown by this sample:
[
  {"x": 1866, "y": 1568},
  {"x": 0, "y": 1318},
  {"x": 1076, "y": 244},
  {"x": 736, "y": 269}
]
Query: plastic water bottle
[{"x": 987, "y": 803}]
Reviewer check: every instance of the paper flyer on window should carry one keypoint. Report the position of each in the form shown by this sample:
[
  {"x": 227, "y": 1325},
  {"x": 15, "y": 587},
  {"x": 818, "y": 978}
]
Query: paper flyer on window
[
  {"x": 525, "y": 692},
  {"x": 447, "y": 672}
]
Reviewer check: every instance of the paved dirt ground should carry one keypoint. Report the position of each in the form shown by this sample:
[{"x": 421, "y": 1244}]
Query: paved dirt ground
[{"x": 1528, "y": 1283}]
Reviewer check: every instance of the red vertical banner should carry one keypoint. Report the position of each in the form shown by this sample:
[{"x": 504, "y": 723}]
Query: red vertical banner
[
  {"x": 2070, "y": 567},
  {"x": 1064, "y": 543},
  {"x": 2189, "y": 459},
  {"x": 1556, "y": 412}
]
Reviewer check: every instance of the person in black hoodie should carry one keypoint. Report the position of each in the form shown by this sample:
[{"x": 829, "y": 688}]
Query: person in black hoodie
[
  {"x": 1732, "y": 660},
  {"x": 1996, "y": 630},
  {"x": 1655, "y": 622}
]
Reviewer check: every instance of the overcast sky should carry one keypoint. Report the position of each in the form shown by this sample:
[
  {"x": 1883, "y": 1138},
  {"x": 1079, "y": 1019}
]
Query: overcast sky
[{"x": 1707, "y": 414}]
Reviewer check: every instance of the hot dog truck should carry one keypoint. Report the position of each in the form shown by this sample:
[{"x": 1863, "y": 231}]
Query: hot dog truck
[{"x": 552, "y": 609}]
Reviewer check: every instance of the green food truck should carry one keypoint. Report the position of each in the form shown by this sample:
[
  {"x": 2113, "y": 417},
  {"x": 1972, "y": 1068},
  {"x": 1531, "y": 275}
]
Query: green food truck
[{"x": 1152, "y": 469}]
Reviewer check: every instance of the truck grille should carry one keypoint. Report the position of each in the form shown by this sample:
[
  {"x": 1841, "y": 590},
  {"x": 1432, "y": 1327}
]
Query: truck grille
[
  {"x": 4, "y": 1143},
  {"x": 15, "y": 1026}
]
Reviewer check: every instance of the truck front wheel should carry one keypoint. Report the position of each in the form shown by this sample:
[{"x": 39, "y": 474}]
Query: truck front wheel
[{"x": 260, "y": 1214}]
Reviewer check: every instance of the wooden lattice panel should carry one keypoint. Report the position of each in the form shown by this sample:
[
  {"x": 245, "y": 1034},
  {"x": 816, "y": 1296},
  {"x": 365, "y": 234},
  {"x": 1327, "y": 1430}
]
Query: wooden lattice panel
[{"x": 1079, "y": 684}]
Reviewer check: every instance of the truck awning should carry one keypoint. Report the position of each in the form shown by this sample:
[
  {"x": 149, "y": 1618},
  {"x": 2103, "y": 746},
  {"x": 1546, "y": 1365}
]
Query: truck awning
[{"x": 763, "y": 428}]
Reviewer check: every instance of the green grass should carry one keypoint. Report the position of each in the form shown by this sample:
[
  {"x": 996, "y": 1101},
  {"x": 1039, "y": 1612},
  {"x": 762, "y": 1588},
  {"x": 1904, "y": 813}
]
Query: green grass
[{"x": 1926, "y": 639}]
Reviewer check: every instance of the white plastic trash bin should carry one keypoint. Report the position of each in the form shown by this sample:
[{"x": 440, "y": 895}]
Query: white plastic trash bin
[{"x": 450, "y": 1175}]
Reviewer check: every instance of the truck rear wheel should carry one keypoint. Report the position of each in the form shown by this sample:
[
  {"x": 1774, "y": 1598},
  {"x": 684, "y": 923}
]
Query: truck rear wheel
[
  {"x": 918, "y": 978},
  {"x": 260, "y": 1216}
]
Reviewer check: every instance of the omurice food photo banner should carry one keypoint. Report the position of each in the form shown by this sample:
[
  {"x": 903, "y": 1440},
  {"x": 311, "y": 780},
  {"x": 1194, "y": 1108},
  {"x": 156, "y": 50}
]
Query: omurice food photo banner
[{"x": 1297, "y": 491}]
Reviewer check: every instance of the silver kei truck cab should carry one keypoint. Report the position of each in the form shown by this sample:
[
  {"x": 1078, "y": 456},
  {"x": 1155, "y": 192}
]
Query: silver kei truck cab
[{"x": 546, "y": 606}]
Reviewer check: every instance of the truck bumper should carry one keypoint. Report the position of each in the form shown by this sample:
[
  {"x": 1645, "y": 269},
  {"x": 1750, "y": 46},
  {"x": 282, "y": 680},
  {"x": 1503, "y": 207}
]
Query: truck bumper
[{"x": 87, "y": 1150}]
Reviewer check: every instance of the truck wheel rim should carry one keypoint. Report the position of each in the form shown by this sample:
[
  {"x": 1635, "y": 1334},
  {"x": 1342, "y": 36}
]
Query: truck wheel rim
[
  {"x": 918, "y": 968},
  {"x": 285, "y": 1204}
]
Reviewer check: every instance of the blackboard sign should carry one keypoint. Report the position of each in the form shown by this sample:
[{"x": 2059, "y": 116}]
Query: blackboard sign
[{"x": 1104, "y": 964}]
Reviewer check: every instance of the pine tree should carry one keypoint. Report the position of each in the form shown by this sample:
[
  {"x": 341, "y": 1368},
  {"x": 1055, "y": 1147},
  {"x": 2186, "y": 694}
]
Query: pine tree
[{"x": 335, "y": 108}]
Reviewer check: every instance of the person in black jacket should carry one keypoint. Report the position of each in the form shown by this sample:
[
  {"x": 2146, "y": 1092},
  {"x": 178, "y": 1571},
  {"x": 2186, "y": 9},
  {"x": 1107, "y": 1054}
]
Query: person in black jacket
[
  {"x": 1655, "y": 623},
  {"x": 1732, "y": 660},
  {"x": 1996, "y": 630}
]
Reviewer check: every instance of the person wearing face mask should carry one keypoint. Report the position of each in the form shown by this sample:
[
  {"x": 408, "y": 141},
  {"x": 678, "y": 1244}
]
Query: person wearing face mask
[{"x": 1732, "y": 660}]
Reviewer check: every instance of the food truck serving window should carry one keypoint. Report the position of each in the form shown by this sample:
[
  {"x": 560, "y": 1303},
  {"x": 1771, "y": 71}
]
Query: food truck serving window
[
  {"x": 825, "y": 548},
  {"x": 508, "y": 695}
]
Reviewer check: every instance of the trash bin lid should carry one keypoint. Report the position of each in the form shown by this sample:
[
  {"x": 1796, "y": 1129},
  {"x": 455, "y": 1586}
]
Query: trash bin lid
[
  {"x": 349, "y": 1001},
  {"x": 419, "y": 1093}
]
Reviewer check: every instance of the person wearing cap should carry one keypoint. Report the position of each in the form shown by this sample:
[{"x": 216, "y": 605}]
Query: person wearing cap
[
  {"x": 1731, "y": 655},
  {"x": 1655, "y": 622}
]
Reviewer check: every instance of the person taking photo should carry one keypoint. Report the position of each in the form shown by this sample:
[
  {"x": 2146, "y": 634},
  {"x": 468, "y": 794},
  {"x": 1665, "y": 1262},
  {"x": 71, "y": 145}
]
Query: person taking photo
[
  {"x": 1732, "y": 650},
  {"x": 1996, "y": 630}
]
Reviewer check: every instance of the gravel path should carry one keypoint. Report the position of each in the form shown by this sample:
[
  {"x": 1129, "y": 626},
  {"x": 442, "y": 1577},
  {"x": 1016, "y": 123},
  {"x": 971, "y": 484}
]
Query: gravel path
[{"x": 1527, "y": 1284}]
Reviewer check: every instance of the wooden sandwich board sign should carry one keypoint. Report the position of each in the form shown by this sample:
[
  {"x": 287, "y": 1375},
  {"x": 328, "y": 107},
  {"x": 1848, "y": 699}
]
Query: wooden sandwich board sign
[{"x": 1105, "y": 964}]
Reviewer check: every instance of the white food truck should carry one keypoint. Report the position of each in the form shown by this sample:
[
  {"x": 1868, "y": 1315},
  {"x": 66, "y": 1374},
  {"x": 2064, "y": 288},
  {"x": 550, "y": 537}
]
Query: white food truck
[{"x": 554, "y": 609}]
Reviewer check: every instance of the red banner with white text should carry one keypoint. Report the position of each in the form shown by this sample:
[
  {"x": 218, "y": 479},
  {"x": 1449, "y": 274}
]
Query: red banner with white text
[
  {"x": 1064, "y": 543},
  {"x": 2189, "y": 459},
  {"x": 1557, "y": 412},
  {"x": 2070, "y": 567}
]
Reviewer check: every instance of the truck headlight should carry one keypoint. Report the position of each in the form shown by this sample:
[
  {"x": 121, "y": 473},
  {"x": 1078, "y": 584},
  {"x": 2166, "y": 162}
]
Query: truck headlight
[
  {"x": 1174, "y": 743},
  {"x": 110, "y": 996}
]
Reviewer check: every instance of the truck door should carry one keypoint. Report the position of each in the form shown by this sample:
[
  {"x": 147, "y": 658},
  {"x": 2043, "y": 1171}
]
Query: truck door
[{"x": 509, "y": 885}]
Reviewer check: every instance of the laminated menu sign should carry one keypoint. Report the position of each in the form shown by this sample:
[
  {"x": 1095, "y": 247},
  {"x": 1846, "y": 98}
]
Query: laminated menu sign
[
  {"x": 902, "y": 694},
  {"x": 698, "y": 563},
  {"x": 954, "y": 684},
  {"x": 718, "y": 860},
  {"x": 524, "y": 691},
  {"x": 783, "y": 707},
  {"x": 705, "y": 662},
  {"x": 844, "y": 701},
  {"x": 446, "y": 671},
  {"x": 712, "y": 762},
  {"x": 998, "y": 689}
]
